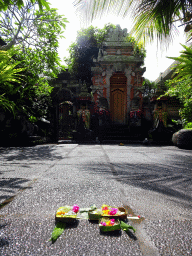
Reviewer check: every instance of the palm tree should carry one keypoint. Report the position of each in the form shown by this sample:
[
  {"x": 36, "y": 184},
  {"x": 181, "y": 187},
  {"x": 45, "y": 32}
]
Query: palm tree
[{"x": 152, "y": 18}]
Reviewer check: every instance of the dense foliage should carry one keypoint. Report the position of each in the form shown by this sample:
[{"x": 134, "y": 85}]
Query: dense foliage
[
  {"x": 36, "y": 36},
  {"x": 29, "y": 27},
  {"x": 21, "y": 89},
  {"x": 4, "y": 4},
  {"x": 149, "y": 89},
  {"x": 181, "y": 84},
  {"x": 30, "y": 61},
  {"x": 10, "y": 79}
]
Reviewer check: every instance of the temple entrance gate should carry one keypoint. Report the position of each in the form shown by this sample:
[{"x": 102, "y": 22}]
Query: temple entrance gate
[
  {"x": 117, "y": 77},
  {"x": 118, "y": 98}
]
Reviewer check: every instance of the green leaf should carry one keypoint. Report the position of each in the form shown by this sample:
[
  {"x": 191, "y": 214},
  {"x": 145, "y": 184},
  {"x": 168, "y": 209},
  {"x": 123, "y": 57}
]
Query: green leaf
[
  {"x": 110, "y": 228},
  {"x": 57, "y": 231},
  {"x": 126, "y": 227}
]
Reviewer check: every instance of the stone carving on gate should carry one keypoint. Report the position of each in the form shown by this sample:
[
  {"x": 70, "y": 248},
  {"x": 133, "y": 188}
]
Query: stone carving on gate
[{"x": 116, "y": 34}]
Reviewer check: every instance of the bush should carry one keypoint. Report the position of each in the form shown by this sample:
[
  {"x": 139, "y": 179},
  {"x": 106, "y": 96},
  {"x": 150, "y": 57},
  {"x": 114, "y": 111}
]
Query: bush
[{"x": 188, "y": 126}]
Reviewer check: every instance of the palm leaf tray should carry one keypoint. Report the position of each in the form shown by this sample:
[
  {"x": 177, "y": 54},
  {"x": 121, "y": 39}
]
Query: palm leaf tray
[
  {"x": 65, "y": 214},
  {"x": 97, "y": 214},
  {"x": 110, "y": 224}
]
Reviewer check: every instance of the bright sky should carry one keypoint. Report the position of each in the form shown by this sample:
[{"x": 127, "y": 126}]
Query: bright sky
[{"x": 155, "y": 61}]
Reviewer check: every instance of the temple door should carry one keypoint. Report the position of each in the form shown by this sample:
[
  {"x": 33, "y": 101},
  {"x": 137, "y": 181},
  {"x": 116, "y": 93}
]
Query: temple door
[{"x": 118, "y": 98}]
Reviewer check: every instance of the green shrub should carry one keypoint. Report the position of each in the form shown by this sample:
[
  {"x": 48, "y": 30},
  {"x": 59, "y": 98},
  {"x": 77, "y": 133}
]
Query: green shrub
[{"x": 188, "y": 126}]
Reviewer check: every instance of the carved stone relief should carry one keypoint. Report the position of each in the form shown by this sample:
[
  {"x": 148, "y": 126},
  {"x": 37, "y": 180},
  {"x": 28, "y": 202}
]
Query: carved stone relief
[
  {"x": 128, "y": 71},
  {"x": 109, "y": 73},
  {"x": 99, "y": 80},
  {"x": 117, "y": 34},
  {"x": 118, "y": 52},
  {"x": 98, "y": 70},
  {"x": 118, "y": 66}
]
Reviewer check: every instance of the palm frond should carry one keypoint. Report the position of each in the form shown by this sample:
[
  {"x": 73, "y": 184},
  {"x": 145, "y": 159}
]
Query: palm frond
[
  {"x": 8, "y": 71},
  {"x": 152, "y": 18},
  {"x": 6, "y": 104}
]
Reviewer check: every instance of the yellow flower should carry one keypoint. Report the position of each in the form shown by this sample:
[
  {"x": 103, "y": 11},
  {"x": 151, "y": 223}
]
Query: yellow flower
[
  {"x": 60, "y": 212},
  {"x": 109, "y": 223},
  {"x": 106, "y": 212}
]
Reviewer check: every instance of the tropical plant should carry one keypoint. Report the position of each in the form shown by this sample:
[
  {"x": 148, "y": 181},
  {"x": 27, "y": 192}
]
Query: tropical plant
[
  {"x": 9, "y": 73},
  {"x": 36, "y": 34},
  {"x": 149, "y": 88},
  {"x": 152, "y": 18},
  {"x": 10, "y": 78},
  {"x": 181, "y": 84},
  {"x": 188, "y": 126},
  {"x": 21, "y": 98}
]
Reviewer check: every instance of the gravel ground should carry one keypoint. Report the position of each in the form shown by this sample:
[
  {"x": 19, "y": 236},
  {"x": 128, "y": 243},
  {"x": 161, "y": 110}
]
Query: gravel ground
[
  {"x": 171, "y": 237},
  {"x": 31, "y": 237},
  {"x": 154, "y": 182}
]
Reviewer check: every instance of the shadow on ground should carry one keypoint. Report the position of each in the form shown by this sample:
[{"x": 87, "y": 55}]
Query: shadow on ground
[
  {"x": 173, "y": 179},
  {"x": 44, "y": 152},
  {"x": 8, "y": 187}
]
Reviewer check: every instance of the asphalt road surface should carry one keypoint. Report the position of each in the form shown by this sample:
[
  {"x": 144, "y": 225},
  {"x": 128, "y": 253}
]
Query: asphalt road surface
[{"x": 151, "y": 181}]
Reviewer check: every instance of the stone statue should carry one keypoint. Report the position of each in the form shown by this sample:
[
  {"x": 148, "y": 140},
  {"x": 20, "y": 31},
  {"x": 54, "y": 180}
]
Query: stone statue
[{"x": 100, "y": 54}]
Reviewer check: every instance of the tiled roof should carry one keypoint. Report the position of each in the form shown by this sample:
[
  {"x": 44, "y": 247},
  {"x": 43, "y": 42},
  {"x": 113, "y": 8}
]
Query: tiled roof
[{"x": 167, "y": 73}]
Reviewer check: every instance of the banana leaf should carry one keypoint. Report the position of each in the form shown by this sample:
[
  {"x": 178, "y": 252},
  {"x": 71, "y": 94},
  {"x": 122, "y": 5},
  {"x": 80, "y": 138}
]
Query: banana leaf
[
  {"x": 126, "y": 227},
  {"x": 57, "y": 231}
]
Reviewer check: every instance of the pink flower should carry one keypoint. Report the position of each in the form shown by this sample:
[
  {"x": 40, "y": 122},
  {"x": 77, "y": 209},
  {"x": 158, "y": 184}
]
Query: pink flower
[
  {"x": 75, "y": 208},
  {"x": 103, "y": 223},
  {"x": 112, "y": 221},
  {"x": 113, "y": 211}
]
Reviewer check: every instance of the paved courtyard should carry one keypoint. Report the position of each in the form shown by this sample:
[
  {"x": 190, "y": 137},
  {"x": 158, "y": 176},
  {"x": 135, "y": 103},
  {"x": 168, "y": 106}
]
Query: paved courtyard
[{"x": 151, "y": 181}]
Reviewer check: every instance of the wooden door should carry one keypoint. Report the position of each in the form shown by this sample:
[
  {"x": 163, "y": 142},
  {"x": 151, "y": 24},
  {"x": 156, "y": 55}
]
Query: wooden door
[{"x": 118, "y": 98}]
